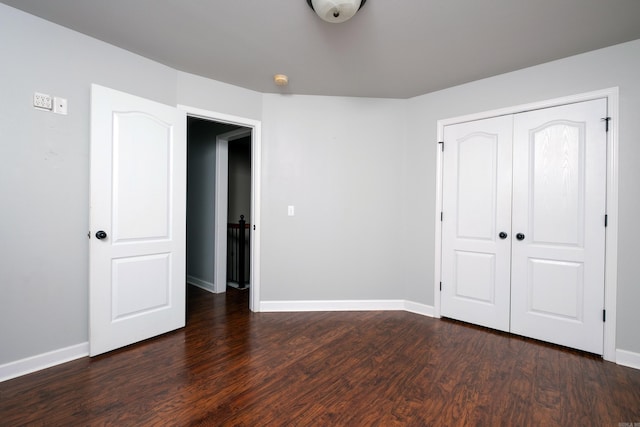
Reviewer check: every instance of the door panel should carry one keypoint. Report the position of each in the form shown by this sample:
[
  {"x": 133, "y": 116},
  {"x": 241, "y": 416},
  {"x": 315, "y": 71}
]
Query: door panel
[
  {"x": 564, "y": 280},
  {"x": 476, "y": 208},
  {"x": 559, "y": 183},
  {"x": 138, "y": 190},
  {"x": 141, "y": 139}
]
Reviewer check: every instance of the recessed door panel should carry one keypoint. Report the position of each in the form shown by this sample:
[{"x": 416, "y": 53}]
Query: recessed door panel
[
  {"x": 477, "y": 176},
  {"x": 475, "y": 276},
  {"x": 556, "y": 184},
  {"x": 141, "y": 140},
  {"x": 140, "y": 285},
  {"x": 564, "y": 280}
]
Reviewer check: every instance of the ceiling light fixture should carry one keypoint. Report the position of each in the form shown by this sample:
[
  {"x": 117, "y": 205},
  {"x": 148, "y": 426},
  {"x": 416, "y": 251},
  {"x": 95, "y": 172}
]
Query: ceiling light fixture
[
  {"x": 281, "y": 79},
  {"x": 336, "y": 11}
]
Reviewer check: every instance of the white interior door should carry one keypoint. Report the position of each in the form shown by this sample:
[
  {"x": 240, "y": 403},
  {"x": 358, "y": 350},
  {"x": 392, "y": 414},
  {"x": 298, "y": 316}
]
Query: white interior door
[
  {"x": 476, "y": 210},
  {"x": 137, "y": 219},
  {"x": 559, "y": 185}
]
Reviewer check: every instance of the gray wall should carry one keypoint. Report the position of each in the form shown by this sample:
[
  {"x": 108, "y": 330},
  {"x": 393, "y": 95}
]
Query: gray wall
[
  {"x": 201, "y": 185},
  {"x": 210, "y": 95},
  {"x": 44, "y": 178},
  {"x": 339, "y": 162},
  {"x": 615, "y": 66}
]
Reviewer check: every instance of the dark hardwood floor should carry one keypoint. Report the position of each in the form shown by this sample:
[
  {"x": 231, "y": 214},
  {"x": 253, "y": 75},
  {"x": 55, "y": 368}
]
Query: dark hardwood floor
[{"x": 233, "y": 367}]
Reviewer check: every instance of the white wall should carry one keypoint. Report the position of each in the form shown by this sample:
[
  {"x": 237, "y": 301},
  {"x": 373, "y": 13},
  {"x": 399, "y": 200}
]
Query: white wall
[
  {"x": 614, "y": 66},
  {"x": 338, "y": 161}
]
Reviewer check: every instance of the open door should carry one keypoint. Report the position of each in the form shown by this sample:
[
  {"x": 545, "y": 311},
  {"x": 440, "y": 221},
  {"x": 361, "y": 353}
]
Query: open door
[{"x": 137, "y": 219}]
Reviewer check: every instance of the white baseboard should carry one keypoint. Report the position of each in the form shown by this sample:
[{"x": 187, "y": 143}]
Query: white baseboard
[
  {"x": 202, "y": 284},
  {"x": 418, "y": 308},
  {"x": 628, "y": 358},
  {"x": 347, "y": 305},
  {"x": 337, "y": 305},
  {"x": 43, "y": 361}
]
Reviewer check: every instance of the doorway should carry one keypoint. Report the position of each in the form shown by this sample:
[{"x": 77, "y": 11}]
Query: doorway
[
  {"x": 209, "y": 137},
  {"x": 202, "y": 179}
]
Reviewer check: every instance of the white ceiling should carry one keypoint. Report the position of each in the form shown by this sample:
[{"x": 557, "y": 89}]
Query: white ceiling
[{"x": 391, "y": 48}]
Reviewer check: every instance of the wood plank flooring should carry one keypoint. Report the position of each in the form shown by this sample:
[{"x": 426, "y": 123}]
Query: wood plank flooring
[{"x": 231, "y": 367}]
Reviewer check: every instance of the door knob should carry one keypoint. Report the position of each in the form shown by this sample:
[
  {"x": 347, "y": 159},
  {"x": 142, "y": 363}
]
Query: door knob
[
  {"x": 502, "y": 235},
  {"x": 520, "y": 236},
  {"x": 101, "y": 235}
]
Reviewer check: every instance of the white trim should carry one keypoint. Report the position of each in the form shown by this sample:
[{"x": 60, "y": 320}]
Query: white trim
[
  {"x": 347, "y": 305},
  {"x": 611, "y": 232},
  {"x": 43, "y": 361},
  {"x": 220, "y": 216},
  {"x": 256, "y": 159},
  {"x": 418, "y": 308},
  {"x": 202, "y": 284},
  {"x": 326, "y": 305},
  {"x": 628, "y": 358},
  {"x": 611, "y": 249}
]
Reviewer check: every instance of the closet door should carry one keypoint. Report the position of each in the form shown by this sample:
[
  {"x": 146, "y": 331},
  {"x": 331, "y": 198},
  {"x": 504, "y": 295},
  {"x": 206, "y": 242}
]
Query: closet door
[
  {"x": 476, "y": 211},
  {"x": 559, "y": 182}
]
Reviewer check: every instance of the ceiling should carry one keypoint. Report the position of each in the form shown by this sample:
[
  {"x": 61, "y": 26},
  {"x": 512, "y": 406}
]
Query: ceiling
[{"x": 390, "y": 49}]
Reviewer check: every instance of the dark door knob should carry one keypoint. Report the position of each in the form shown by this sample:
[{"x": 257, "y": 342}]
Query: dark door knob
[
  {"x": 520, "y": 236},
  {"x": 502, "y": 235},
  {"x": 101, "y": 235}
]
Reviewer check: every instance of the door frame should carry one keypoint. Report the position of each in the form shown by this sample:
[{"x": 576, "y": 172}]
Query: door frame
[
  {"x": 611, "y": 231},
  {"x": 255, "y": 129}
]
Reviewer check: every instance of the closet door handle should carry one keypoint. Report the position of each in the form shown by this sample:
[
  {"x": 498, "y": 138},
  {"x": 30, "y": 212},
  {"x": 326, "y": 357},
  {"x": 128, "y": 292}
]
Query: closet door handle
[
  {"x": 502, "y": 235},
  {"x": 520, "y": 236}
]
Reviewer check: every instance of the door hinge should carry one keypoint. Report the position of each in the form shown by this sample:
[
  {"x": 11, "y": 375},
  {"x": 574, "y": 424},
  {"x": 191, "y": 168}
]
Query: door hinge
[
  {"x": 441, "y": 145},
  {"x": 441, "y": 286},
  {"x": 606, "y": 123},
  {"x": 604, "y": 315},
  {"x": 89, "y": 234},
  {"x": 606, "y": 220},
  {"x": 441, "y": 216}
]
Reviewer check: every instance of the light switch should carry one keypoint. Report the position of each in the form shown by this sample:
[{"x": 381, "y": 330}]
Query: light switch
[{"x": 291, "y": 211}]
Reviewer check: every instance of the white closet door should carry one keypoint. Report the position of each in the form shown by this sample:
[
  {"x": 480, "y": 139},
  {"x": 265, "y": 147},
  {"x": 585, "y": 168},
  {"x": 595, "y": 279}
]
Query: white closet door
[
  {"x": 476, "y": 209},
  {"x": 559, "y": 182}
]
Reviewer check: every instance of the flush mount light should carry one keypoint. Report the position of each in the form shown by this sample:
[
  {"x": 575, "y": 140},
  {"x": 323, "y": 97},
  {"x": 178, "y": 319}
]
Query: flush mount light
[
  {"x": 281, "y": 79},
  {"x": 336, "y": 11}
]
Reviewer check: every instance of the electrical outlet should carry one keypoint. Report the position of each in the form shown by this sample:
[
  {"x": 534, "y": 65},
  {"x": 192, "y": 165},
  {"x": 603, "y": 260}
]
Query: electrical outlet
[
  {"x": 60, "y": 105},
  {"x": 42, "y": 101}
]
